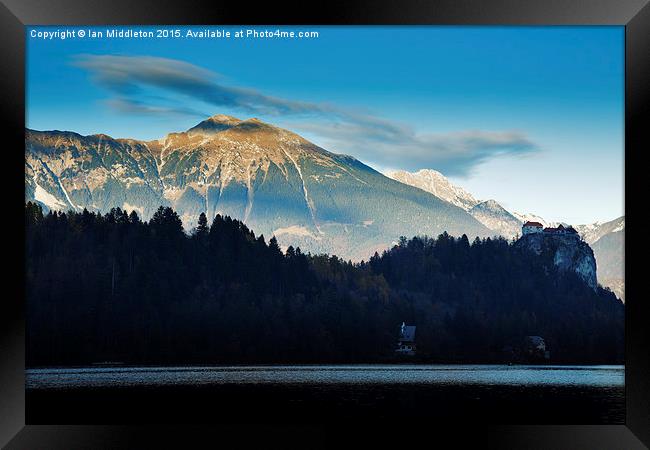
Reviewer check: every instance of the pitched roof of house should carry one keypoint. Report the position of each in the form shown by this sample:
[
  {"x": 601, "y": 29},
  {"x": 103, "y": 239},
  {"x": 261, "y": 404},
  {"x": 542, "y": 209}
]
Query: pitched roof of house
[{"x": 533, "y": 224}]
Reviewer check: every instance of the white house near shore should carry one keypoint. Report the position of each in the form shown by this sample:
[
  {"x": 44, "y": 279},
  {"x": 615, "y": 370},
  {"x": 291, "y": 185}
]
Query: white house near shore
[{"x": 406, "y": 341}]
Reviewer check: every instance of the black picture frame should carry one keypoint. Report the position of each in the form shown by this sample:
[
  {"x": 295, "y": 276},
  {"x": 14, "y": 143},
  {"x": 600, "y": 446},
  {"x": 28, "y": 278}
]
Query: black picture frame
[{"x": 633, "y": 14}]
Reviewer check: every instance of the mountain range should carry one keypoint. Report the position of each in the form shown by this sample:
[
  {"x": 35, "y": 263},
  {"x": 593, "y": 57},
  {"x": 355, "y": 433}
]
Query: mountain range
[
  {"x": 279, "y": 184},
  {"x": 274, "y": 180},
  {"x": 490, "y": 213}
]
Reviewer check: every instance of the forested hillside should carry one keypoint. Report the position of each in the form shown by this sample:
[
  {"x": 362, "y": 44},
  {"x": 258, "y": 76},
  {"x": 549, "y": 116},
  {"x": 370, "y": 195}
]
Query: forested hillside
[{"x": 114, "y": 288}]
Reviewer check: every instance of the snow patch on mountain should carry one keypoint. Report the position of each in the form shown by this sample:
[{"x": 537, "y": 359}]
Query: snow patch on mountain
[
  {"x": 48, "y": 199},
  {"x": 496, "y": 218},
  {"x": 434, "y": 182},
  {"x": 65, "y": 192},
  {"x": 128, "y": 208},
  {"x": 527, "y": 217},
  {"x": 296, "y": 230},
  {"x": 592, "y": 232}
]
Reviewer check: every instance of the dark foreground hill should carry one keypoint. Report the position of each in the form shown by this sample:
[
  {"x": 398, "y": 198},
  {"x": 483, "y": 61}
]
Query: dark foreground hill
[{"x": 113, "y": 288}]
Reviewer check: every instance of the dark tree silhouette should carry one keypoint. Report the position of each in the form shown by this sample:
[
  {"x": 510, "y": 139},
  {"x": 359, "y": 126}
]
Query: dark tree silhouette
[
  {"x": 202, "y": 228},
  {"x": 114, "y": 288}
]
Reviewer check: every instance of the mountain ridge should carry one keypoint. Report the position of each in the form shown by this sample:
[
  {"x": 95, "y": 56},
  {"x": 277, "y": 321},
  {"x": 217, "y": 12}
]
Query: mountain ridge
[{"x": 273, "y": 179}]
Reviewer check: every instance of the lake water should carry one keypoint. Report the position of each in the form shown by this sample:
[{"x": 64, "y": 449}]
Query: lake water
[
  {"x": 494, "y": 375},
  {"x": 337, "y": 393}
]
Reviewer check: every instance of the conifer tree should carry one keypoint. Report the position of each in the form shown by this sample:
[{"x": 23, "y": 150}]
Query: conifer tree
[{"x": 202, "y": 228}]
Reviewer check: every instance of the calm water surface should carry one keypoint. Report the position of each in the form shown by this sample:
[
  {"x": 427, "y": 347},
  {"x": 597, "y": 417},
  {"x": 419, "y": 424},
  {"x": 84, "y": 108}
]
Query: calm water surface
[{"x": 451, "y": 375}]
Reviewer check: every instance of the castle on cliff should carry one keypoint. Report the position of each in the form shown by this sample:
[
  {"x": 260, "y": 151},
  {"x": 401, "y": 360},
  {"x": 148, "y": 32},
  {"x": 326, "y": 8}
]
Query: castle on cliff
[{"x": 536, "y": 227}]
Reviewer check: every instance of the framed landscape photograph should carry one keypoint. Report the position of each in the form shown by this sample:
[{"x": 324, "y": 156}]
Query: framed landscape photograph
[{"x": 386, "y": 219}]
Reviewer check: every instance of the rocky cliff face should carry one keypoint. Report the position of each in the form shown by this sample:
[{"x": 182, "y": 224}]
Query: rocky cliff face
[{"x": 567, "y": 252}]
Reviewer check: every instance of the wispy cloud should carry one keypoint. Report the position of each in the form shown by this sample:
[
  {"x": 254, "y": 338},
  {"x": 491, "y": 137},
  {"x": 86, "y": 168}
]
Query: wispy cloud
[
  {"x": 131, "y": 106},
  {"x": 454, "y": 154},
  {"x": 368, "y": 137},
  {"x": 126, "y": 76}
]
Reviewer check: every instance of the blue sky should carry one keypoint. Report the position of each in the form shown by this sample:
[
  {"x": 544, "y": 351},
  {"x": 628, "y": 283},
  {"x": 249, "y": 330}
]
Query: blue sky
[{"x": 530, "y": 116}]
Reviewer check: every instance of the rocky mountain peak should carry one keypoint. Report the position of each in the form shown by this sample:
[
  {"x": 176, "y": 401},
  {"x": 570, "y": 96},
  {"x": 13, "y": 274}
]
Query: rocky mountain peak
[
  {"x": 102, "y": 136},
  {"x": 214, "y": 124},
  {"x": 434, "y": 182},
  {"x": 224, "y": 118}
]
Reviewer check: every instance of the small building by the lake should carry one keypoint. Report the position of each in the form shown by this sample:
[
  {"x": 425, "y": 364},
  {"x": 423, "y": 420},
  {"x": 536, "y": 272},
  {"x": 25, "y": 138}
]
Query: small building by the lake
[
  {"x": 536, "y": 348},
  {"x": 406, "y": 340}
]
